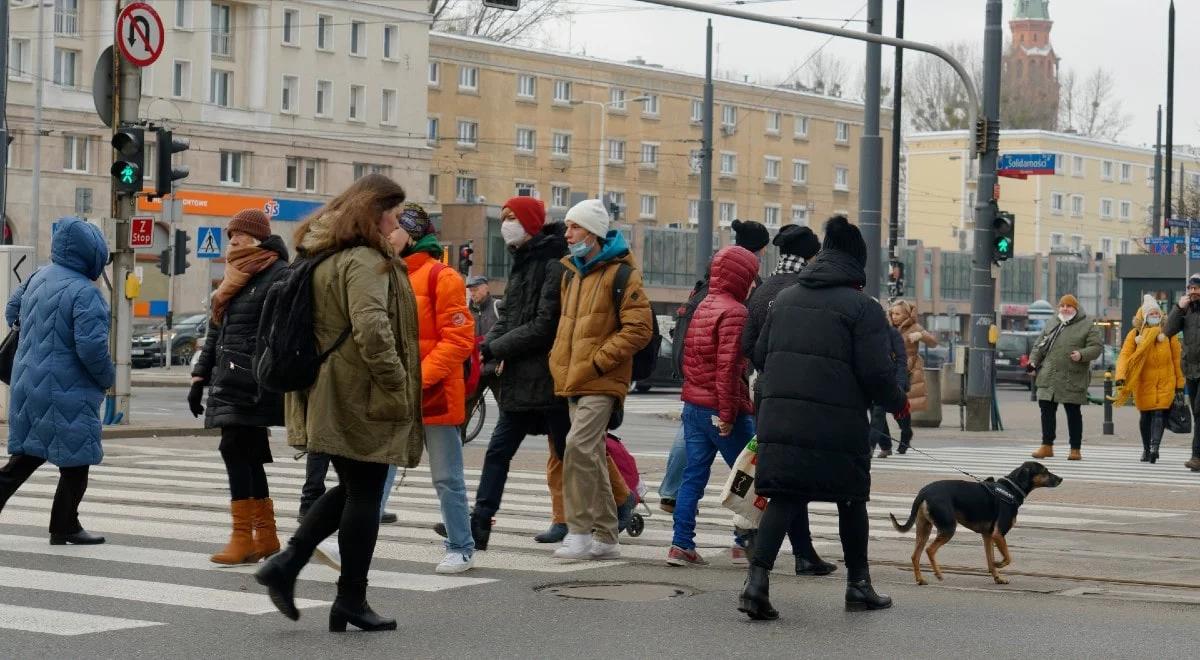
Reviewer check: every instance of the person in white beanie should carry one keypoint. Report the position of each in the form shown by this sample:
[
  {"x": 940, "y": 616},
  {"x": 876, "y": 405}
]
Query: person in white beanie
[
  {"x": 1149, "y": 372},
  {"x": 603, "y": 324}
]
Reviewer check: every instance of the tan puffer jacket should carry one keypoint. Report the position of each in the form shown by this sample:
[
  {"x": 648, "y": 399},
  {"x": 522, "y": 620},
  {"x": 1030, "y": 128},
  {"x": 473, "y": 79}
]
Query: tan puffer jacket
[{"x": 903, "y": 316}]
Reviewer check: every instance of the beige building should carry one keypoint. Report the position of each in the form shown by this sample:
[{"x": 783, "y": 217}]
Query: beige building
[{"x": 285, "y": 102}]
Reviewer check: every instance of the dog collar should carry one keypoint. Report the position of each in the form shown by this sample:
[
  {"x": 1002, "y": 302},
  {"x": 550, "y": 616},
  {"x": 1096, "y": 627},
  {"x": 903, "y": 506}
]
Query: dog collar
[{"x": 1014, "y": 487}]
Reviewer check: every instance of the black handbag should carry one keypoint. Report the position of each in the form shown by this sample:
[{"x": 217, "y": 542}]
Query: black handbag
[
  {"x": 8, "y": 353},
  {"x": 1179, "y": 419}
]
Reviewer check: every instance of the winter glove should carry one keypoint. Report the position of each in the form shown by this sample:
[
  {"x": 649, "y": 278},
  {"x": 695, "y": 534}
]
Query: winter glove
[
  {"x": 904, "y": 412},
  {"x": 1120, "y": 383},
  {"x": 485, "y": 352},
  {"x": 195, "y": 396}
]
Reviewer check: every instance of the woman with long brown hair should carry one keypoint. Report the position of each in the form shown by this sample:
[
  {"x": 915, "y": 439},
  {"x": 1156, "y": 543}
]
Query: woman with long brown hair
[{"x": 364, "y": 410}]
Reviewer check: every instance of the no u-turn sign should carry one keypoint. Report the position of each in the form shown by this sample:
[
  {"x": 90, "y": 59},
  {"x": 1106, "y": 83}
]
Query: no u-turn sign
[{"x": 140, "y": 34}]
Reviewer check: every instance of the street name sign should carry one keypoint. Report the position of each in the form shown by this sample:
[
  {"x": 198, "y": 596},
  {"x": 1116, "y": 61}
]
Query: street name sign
[{"x": 1019, "y": 166}]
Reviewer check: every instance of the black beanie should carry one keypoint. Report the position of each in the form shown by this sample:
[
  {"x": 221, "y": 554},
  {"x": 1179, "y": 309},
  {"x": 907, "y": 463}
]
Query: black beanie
[
  {"x": 842, "y": 236},
  {"x": 797, "y": 240},
  {"x": 750, "y": 234}
]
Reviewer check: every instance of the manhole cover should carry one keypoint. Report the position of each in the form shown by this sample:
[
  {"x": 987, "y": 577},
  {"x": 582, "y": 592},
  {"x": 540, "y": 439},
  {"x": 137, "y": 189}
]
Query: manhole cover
[{"x": 626, "y": 592}]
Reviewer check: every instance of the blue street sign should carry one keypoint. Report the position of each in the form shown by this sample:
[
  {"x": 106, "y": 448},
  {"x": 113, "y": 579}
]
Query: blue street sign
[
  {"x": 1164, "y": 244},
  {"x": 1183, "y": 223},
  {"x": 208, "y": 243},
  {"x": 1027, "y": 163},
  {"x": 1194, "y": 255}
]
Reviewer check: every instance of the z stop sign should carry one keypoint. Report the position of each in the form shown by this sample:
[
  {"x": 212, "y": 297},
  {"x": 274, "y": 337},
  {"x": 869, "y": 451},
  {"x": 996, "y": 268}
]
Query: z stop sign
[
  {"x": 140, "y": 34},
  {"x": 141, "y": 232}
]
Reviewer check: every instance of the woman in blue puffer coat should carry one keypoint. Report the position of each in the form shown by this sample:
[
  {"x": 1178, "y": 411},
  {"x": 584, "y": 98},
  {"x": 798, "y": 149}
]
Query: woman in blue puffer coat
[{"x": 60, "y": 374}]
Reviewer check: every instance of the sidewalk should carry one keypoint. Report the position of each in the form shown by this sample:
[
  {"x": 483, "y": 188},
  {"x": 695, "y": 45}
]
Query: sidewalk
[{"x": 176, "y": 376}]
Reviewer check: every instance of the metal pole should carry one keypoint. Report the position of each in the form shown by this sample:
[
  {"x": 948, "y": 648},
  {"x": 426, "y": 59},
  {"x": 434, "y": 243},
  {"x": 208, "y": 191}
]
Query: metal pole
[
  {"x": 897, "y": 108},
  {"x": 704, "y": 228},
  {"x": 870, "y": 158},
  {"x": 127, "y": 99},
  {"x": 168, "y": 206},
  {"x": 4, "y": 111},
  {"x": 1166, "y": 196},
  {"x": 1156, "y": 223},
  {"x": 603, "y": 145},
  {"x": 983, "y": 288},
  {"x": 1107, "y": 429},
  {"x": 35, "y": 201}
]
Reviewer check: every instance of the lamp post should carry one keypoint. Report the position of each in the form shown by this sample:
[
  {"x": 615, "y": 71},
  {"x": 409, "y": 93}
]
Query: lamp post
[{"x": 604, "y": 133}]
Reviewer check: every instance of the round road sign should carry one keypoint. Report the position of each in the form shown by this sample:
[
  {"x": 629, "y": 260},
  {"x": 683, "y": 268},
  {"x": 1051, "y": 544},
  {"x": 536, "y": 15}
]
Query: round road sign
[{"x": 140, "y": 34}]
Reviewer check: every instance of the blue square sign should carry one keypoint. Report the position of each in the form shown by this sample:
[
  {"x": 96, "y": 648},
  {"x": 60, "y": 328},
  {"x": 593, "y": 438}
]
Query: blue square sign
[{"x": 208, "y": 243}]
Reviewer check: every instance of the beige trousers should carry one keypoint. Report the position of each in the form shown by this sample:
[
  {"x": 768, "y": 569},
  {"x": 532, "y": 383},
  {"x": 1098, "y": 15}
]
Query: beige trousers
[{"x": 587, "y": 493}]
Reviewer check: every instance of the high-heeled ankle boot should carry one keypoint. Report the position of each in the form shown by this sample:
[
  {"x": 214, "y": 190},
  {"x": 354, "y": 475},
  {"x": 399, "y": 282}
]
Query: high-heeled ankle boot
[
  {"x": 278, "y": 575},
  {"x": 755, "y": 600},
  {"x": 860, "y": 595},
  {"x": 351, "y": 607}
]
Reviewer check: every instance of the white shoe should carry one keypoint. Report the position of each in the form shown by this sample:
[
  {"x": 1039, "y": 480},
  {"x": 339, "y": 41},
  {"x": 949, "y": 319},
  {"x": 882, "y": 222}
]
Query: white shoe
[
  {"x": 575, "y": 546},
  {"x": 600, "y": 550},
  {"x": 455, "y": 562},
  {"x": 329, "y": 553}
]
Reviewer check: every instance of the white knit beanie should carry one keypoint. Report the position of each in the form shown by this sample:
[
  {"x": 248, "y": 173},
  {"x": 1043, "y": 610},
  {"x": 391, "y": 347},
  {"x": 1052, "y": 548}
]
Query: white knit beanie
[
  {"x": 1149, "y": 304},
  {"x": 592, "y": 215}
]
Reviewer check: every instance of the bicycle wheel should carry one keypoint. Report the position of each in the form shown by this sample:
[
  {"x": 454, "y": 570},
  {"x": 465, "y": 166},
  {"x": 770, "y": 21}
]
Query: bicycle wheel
[{"x": 475, "y": 418}]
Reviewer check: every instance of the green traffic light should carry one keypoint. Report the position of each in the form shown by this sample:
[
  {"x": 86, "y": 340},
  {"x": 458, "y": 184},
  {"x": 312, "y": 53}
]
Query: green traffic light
[
  {"x": 1003, "y": 245},
  {"x": 127, "y": 174}
]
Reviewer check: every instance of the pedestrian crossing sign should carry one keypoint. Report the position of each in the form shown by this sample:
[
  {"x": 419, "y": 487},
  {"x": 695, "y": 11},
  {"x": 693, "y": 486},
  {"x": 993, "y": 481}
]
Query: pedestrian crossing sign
[{"x": 208, "y": 243}]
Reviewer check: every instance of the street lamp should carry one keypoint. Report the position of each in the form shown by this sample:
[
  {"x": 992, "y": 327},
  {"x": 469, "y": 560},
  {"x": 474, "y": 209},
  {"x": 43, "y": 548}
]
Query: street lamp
[{"x": 603, "y": 132}]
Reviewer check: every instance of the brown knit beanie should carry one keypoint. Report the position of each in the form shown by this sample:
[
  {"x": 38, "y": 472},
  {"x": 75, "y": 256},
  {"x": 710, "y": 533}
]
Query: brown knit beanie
[{"x": 252, "y": 222}]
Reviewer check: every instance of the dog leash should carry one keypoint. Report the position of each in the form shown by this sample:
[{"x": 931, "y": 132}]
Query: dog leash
[{"x": 938, "y": 460}]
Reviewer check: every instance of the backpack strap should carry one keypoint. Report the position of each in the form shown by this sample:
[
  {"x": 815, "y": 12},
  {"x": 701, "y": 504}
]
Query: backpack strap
[{"x": 620, "y": 283}]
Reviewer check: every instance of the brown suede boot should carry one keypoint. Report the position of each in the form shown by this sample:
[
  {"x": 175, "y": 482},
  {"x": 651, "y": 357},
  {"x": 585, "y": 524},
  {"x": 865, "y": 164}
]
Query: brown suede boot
[
  {"x": 266, "y": 539},
  {"x": 1044, "y": 451},
  {"x": 240, "y": 549},
  {"x": 1074, "y": 455},
  {"x": 1193, "y": 464}
]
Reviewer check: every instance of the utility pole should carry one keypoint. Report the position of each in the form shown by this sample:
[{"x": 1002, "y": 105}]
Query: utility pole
[
  {"x": 897, "y": 111},
  {"x": 170, "y": 214},
  {"x": 126, "y": 100},
  {"x": 35, "y": 201},
  {"x": 1156, "y": 205},
  {"x": 4, "y": 111},
  {"x": 870, "y": 158},
  {"x": 981, "y": 360},
  {"x": 1166, "y": 195},
  {"x": 704, "y": 228}
]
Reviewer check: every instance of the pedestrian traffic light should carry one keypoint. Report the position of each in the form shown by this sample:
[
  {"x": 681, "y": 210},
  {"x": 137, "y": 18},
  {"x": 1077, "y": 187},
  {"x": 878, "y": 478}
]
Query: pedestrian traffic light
[
  {"x": 127, "y": 170},
  {"x": 166, "y": 173},
  {"x": 464, "y": 259},
  {"x": 896, "y": 279},
  {"x": 164, "y": 262},
  {"x": 1003, "y": 228},
  {"x": 181, "y": 251}
]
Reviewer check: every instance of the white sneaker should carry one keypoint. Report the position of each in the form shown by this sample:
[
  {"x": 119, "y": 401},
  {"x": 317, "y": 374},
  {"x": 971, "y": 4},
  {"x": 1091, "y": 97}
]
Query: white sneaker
[
  {"x": 328, "y": 553},
  {"x": 455, "y": 562},
  {"x": 600, "y": 550},
  {"x": 575, "y": 546}
]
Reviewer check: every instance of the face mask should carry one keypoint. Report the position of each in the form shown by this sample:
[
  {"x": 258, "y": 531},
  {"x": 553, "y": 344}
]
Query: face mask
[
  {"x": 1066, "y": 318},
  {"x": 1154, "y": 320},
  {"x": 579, "y": 250},
  {"x": 512, "y": 232}
]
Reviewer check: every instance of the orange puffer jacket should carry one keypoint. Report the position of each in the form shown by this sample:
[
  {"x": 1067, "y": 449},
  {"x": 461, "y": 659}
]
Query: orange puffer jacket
[{"x": 447, "y": 337}]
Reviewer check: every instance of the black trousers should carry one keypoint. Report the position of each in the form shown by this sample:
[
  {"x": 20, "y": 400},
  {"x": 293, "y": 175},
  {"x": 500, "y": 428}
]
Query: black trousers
[
  {"x": 351, "y": 509},
  {"x": 316, "y": 466},
  {"x": 1151, "y": 424},
  {"x": 1050, "y": 422},
  {"x": 510, "y": 431},
  {"x": 781, "y": 514},
  {"x": 241, "y": 451},
  {"x": 72, "y": 484},
  {"x": 1193, "y": 385}
]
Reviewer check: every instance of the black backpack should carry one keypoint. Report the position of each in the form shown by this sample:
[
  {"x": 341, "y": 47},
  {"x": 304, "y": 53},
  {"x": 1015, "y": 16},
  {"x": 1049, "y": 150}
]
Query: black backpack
[
  {"x": 286, "y": 355},
  {"x": 683, "y": 317},
  {"x": 645, "y": 359}
]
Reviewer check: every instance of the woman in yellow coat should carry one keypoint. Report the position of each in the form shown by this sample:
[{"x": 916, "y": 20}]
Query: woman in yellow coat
[{"x": 1148, "y": 370}]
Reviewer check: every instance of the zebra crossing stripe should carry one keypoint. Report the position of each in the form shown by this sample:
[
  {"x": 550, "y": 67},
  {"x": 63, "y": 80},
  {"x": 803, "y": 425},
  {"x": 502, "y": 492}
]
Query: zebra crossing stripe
[{"x": 58, "y": 622}]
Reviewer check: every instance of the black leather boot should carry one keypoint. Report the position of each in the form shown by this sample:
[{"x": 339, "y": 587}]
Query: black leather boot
[
  {"x": 351, "y": 607},
  {"x": 1156, "y": 434},
  {"x": 755, "y": 600},
  {"x": 82, "y": 537},
  {"x": 278, "y": 575},
  {"x": 481, "y": 530},
  {"x": 1145, "y": 455},
  {"x": 860, "y": 595},
  {"x": 816, "y": 566}
]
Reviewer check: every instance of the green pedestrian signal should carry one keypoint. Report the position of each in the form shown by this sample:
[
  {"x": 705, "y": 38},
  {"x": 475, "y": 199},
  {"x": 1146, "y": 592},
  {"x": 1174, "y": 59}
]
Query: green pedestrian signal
[
  {"x": 1003, "y": 228},
  {"x": 127, "y": 165},
  {"x": 127, "y": 173}
]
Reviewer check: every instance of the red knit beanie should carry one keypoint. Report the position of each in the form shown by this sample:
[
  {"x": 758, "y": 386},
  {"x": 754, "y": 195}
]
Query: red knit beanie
[
  {"x": 252, "y": 222},
  {"x": 530, "y": 212}
]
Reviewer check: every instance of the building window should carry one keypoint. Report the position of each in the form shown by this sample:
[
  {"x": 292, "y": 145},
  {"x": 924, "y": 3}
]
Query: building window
[
  {"x": 801, "y": 127},
  {"x": 292, "y": 175},
  {"x": 358, "y": 100},
  {"x": 387, "y": 106},
  {"x": 324, "y": 32},
  {"x": 650, "y": 104},
  {"x": 1077, "y": 166},
  {"x": 1124, "y": 243},
  {"x": 526, "y": 86},
  {"x": 183, "y": 14},
  {"x": 363, "y": 169},
  {"x": 1106, "y": 247},
  {"x": 220, "y": 88},
  {"x": 75, "y": 153},
  {"x": 772, "y": 168},
  {"x": 841, "y": 179},
  {"x": 526, "y": 189},
  {"x": 694, "y": 160},
  {"x": 774, "y": 120},
  {"x": 19, "y": 64},
  {"x": 616, "y": 151},
  {"x": 66, "y": 66},
  {"x": 435, "y": 73},
  {"x": 561, "y": 146},
  {"x": 391, "y": 37},
  {"x": 1076, "y": 243},
  {"x": 1060, "y": 163},
  {"x": 288, "y": 95},
  {"x": 618, "y": 199},
  {"x": 526, "y": 140},
  {"x": 1126, "y": 210},
  {"x": 291, "y": 23},
  {"x": 66, "y": 17},
  {"x": 697, "y": 110},
  {"x": 650, "y": 154},
  {"x": 468, "y": 133},
  {"x": 1106, "y": 170},
  {"x": 1126, "y": 173},
  {"x": 727, "y": 213},
  {"x": 468, "y": 78},
  {"x": 616, "y": 98},
  {"x": 842, "y": 130},
  {"x": 800, "y": 172},
  {"x": 1077, "y": 205},
  {"x": 649, "y": 206},
  {"x": 222, "y": 30},
  {"x": 431, "y": 132},
  {"x": 464, "y": 189},
  {"x": 562, "y": 91},
  {"x": 800, "y": 215},
  {"x": 728, "y": 164},
  {"x": 433, "y": 186},
  {"x": 181, "y": 79},
  {"x": 1056, "y": 203},
  {"x": 693, "y": 213},
  {"x": 729, "y": 116},
  {"x": 1056, "y": 241},
  {"x": 560, "y": 197},
  {"x": 324, "y": 98},
  {"x": 231, "y": 167},
  {"x": 771, "y": 216},
  {"x": 358, "y": 38},
  {"x": 310, "y": 175},
  {"x": 1106, "y": 209}
]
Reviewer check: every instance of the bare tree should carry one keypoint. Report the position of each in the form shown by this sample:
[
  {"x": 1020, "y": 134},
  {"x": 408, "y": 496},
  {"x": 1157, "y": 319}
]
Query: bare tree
[
  {"x": 934, "y": 97},
  {"x": 823, "y": 73},
  {"x": 471, "y": 18},
  {"x": 1090, "y": 107}
]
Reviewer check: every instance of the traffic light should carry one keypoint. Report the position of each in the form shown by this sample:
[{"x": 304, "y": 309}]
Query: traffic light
[
  {"x": 464, "y": 259},
  {"x": 166, "y": 174},
  {"x": 164, "y": 262},
  {"x": 896, "y": 279},
  {"x": 1003, "y": 230},
  {"x": 181, "y": 251},
  {"x": 127, "y": 170}
]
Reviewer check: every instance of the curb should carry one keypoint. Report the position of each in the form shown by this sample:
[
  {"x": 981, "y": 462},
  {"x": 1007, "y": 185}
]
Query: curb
[
  {"x": 130, "y": 432},
  {"x": 160, "y": 382}
]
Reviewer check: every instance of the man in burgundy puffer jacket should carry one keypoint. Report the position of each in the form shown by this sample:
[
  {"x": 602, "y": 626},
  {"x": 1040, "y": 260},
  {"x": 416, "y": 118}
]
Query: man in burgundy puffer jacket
[{"x": 717, "y": 410}]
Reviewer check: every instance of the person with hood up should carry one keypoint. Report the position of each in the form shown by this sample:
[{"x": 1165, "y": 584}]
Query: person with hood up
[
  {"x": 592, "y": 365},
  {"x": 236, "y": 404},
  {"x": 903, "y": 315},
  {"x": 60, "y": 373},
  {"x": 1061, "y": 357},
  {"x": 824, "y": 358},
  {"x": 1149, "y": 372}
]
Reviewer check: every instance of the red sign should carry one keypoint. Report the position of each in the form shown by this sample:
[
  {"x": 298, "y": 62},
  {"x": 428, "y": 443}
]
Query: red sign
[
  {"x": 140, "y": 34},
  {"x": 996, "y": 192},
  {"x": 141, "y": 232}
]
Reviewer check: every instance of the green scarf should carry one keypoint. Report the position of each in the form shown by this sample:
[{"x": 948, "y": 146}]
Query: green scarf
[{"x": 427, "y": 244}]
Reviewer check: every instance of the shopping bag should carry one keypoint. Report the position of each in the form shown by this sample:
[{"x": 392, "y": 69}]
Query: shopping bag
[
  {"x": 738, "y": 495},
  {"x": 1179, "y": 419}
]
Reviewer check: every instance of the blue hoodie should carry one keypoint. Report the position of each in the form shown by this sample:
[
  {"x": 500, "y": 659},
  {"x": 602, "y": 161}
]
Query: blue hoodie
[{"x": 614, "y": 247}]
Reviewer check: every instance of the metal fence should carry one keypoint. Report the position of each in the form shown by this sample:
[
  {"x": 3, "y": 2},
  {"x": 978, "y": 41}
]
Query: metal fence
[
  {"x": 1016, "y": 280},
  {"x": 956, "y": 275},
  {"x": 668, "y": 257},
  {"x": 1066, "y": 276}
]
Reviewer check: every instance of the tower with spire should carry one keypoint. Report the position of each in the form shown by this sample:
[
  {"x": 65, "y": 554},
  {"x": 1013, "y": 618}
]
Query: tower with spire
[{"x": 1030, "y": 73}]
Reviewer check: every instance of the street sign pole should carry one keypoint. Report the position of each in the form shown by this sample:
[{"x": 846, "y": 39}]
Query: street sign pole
[{"x": 170, "y": 211}]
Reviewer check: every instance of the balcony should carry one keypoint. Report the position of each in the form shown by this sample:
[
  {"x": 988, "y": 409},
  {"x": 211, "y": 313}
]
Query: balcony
[{"x": 66, "y": 20}]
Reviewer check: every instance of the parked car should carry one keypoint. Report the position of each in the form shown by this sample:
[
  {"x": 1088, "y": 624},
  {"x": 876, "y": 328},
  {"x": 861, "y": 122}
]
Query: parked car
[
  {"x": 148, "y": 350},
  {"x": 1012, "y": 357},
  {"x": 1108, "y": 359},
  {"x": 935, "y": 357}
]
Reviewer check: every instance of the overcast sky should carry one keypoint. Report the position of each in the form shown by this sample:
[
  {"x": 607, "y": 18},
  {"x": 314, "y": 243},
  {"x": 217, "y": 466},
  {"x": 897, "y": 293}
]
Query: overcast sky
[{"x": 1127, "y": 37}]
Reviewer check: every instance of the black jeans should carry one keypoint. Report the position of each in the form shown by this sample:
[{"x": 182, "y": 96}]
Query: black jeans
[
  {"x": 511, "y": 429},
  {"x": 72, "y": 483},
  {"x": 781, "y": 514},
  {"x": 316, "y": 466},
  {"x": 247, "y": 478},
  {"x": 1151, "y": 423},
  {"x": 1193, "y": 385},
  {"x": 1050, "y": 422},
  {"x": 880, "y": 433},
  {"x": 351, "y": 509}
]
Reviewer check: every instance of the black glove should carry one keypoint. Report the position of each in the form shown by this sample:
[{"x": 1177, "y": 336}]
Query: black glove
[
  {"x": 485, "y": 352},
  {"x": 195, "y": 396},
  {"x": 1120, "y": 383}
]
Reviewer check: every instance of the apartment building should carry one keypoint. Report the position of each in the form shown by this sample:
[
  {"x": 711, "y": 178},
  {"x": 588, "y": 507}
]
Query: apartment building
[{"x": 285, "y": 102}]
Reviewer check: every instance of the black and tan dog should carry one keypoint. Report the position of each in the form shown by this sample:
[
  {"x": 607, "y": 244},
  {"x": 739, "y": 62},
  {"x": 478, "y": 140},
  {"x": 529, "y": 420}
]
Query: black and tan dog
[{"x": 988, "y": 508}]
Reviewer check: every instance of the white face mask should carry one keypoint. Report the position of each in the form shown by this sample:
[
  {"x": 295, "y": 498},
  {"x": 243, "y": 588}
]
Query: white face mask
[
  {"x": 1066, "y": 318},
  {"x": 512, "y": 232}
]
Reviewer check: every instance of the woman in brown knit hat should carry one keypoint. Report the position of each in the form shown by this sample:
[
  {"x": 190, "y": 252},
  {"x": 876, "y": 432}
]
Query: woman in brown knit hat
[{"x": 236, "y": 404}]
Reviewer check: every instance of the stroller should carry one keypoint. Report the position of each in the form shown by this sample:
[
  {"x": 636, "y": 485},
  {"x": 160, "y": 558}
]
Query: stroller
[{"x": 633, "y": 479}]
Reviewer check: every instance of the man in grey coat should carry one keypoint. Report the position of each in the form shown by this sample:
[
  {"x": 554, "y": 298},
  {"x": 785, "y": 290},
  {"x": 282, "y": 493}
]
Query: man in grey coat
[
  {"x": 1062, "y": 357},
  {"x": 1185, "y": 317}
]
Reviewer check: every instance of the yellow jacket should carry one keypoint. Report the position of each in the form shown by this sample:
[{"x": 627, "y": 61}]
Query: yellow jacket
[{"x": 1154, "y": 383}]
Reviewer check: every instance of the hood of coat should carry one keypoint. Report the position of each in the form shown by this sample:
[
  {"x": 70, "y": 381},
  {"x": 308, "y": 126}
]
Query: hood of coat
[
  {"x": 831, "y": 268},
  {"x": 908, "y": 312},
  {"x": 79, "y": 245},
  {"x": 275, "y": 244},
  {"x": 550, "y": 243},
  {"x": 732, "y": 272},
  {"x": 614, "y": 248}
]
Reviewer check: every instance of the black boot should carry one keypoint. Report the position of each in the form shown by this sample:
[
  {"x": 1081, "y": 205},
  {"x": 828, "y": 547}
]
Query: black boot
[
  {"x": 351, "y": 607},
  {"x": 82, "y": 537},
  {"x": 815, "y": 566},
  {"x": 1145, "y": 455},
  {"x": 755, "y": 600},
  {"x": 481, "y": 530},
  {"x": 1156, "y": 434},
  {"x": 860, "y": 595},
  {"x": 278, "y": 575}
]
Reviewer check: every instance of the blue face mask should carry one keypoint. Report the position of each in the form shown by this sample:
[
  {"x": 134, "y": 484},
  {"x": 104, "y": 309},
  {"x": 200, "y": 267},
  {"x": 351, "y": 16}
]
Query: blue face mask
[
  {"x": 1154, "y": 320},
  {"x": 579, "y": 250}
]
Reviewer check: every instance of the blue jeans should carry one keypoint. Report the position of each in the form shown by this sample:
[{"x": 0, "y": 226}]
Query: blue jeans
[
  {"x": 703, "y": 442},
  {"x": 444, "y": 448},
  {"x": 676, "y": 462}
]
